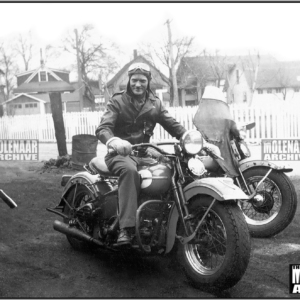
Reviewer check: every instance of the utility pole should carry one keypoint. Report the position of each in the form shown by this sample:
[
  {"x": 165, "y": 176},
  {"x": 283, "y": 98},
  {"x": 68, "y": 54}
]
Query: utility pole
[
  {"x": 174, "y": 79},
  {"x": 79, "y": 74}
]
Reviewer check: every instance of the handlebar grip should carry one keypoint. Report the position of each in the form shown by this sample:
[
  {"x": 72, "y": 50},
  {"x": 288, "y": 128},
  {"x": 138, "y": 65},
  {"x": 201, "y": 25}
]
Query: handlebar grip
[{"x": 10, "y": 202}]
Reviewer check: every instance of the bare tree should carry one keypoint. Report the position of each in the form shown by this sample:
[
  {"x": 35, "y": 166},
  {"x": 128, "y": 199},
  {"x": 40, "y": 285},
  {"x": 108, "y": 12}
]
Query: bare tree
[
  {"x": 93, "y": 54},
  {"x": 9, "y": 66},
  {"x": 161, "y": 55},
  {"x": 24, "y": 48}
]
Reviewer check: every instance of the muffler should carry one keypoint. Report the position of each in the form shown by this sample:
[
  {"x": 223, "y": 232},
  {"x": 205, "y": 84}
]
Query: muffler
[{"x": 75, "y": 233}]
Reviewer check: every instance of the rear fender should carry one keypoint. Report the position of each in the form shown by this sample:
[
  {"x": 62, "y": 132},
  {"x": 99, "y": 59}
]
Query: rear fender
[
  {"x": 248, "y": 164},
  {"x": 220, "y": 188},
  {"x": 84, "y": 178}
]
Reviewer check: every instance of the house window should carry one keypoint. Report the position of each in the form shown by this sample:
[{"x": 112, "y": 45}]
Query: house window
[
  {"x": 190, "y": 92},
  {"x": 43, "y": 76},
  {"x": 30, "y": 105},
  {"x": 17, "y": 106},
  {"x": 245, "y": 97},
  {"x": 237, "y": 77},
  {"x": 260, "y": 91},
  {"x": 278, "y": 90},
  {"x": 296, "y": 90},
  {"x": 269, "y": 91}
]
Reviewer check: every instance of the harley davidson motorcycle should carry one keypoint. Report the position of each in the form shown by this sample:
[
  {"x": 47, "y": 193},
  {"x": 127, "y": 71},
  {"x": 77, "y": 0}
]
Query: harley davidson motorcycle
[
  {"x": 180, "y": 211},
  {"x": 10, "y": 202},
  {"x": 272, "y": 197}
]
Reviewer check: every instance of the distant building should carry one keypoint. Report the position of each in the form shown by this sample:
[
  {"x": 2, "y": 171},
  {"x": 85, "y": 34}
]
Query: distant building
[
  {"x": 32, "y": 93},
  {"x": 240, "y": 77}
]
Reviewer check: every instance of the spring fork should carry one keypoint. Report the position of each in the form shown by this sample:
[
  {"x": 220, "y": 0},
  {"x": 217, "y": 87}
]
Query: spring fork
[
  {"x": 184, "y": 240},
  {"x": 178, "y": 199}
]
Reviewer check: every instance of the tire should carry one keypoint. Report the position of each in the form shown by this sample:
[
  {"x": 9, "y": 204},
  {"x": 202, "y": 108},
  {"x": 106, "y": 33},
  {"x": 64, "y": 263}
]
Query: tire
[
  {"x": 227, "y": 226},
  {"x": 82, "y": 196},
  {"x": 278, "y": 206}
]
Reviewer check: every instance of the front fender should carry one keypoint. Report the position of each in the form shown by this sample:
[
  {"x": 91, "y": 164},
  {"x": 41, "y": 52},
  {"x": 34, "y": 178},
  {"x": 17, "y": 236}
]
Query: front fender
[
  {"x": 220, "y": 188},
  {"x": 80, "y": 178},
  {"x": 248, "y": 164}
]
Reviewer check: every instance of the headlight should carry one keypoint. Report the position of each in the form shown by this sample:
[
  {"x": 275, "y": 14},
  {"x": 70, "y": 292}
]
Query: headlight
[
  {"x": 245, "y": 150},
  {"x": 196, "y": 166},
  {"x": 192, "y": 142}
]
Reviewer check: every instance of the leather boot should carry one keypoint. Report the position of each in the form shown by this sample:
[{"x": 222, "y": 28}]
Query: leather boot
[{"x": 124, "y": 237}]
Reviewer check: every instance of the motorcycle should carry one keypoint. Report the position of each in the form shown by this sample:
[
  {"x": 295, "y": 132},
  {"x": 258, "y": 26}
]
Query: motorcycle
[
  {"x": 272, "y": 200},
  {"x": 10, "y": 202},
  {"x": 181, "y": 212}
]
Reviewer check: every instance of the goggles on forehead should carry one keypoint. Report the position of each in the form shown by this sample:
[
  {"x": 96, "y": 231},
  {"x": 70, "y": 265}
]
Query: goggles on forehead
[{"x": 139, "y": 66}]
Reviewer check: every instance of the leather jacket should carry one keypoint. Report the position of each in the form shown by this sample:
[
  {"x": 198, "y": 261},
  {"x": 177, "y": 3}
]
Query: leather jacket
[{"x": 121, "y": 119}]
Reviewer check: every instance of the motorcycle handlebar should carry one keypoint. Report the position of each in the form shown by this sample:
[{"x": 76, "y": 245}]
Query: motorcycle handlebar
[{"x": 136, "y": 146}]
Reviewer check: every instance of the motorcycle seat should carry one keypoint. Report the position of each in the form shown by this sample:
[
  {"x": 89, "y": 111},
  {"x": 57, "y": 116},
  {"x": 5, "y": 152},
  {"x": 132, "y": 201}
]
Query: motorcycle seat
[{"x": 98, "y": 164}]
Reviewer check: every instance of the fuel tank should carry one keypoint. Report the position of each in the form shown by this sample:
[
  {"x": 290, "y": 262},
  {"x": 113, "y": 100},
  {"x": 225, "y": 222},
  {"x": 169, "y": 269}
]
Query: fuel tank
[{"x": 155, "y": 179}]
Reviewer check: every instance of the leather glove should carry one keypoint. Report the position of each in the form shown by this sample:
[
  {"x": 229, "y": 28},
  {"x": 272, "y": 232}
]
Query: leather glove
[
  {"x": 151, "y": 152},
  {"x": 122, "y": 147}
]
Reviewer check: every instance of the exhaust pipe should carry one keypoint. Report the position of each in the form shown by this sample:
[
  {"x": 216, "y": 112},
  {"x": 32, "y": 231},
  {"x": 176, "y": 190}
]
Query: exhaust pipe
[
  {"x": 75, "y": 233},
  {"x": 10, "y": 202}
]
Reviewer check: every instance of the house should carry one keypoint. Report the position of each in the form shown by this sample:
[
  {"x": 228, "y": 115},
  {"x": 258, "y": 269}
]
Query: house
[
  {"x": 71, "y": 102},
  {"x": 159, "y": 83},
  {"x": 31, "y": 96},
  {"x": 235, "y": 75},
  {"x": 278, "y": 82}
]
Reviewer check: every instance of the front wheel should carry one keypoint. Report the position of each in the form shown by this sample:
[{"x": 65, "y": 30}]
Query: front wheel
[
  {"x": 219, "y": 254},
  {"x": 274, "y": 206}
]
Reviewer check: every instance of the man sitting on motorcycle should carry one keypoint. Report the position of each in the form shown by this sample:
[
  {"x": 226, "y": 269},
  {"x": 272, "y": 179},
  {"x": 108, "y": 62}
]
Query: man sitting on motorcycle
[{"x": 130, "y": 118}]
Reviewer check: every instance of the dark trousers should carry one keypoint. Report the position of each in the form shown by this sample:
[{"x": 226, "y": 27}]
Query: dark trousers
[{"x": 129, "y": 184}]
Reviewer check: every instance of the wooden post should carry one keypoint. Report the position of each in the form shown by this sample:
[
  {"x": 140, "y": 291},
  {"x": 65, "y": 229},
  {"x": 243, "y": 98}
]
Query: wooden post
[
  {"x": 79, "y": 74},
  {"x": 174, "y": 79},
  {"x": 59, "y": 127}
]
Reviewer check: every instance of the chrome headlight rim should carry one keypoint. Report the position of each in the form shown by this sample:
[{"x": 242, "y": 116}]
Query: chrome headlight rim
[{"x": 183, "y": 142}]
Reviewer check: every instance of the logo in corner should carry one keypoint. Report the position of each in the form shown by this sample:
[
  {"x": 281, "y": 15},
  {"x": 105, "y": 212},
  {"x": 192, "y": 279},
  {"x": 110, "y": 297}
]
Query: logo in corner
[{"x": 294, "y": 279}]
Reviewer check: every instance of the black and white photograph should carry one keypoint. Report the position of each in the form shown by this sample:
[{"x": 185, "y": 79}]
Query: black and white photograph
[{"x": 149, "y": 150}]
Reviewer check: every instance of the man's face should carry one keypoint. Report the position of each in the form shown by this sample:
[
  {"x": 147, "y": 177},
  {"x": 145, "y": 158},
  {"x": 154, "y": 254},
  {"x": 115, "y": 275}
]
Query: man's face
[{"x": 138, "y": 84}]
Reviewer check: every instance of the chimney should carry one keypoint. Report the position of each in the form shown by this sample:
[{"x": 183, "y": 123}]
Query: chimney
[
  {"x": 42, "y": 60},
  {"x": 135, "y": 54}
]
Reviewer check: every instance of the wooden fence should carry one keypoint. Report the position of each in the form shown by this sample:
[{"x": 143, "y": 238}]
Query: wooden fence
[{"x": 277, "y": 121}]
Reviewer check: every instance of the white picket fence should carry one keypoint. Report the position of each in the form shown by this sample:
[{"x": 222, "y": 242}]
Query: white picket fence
[{"x": 276, "y": 121}]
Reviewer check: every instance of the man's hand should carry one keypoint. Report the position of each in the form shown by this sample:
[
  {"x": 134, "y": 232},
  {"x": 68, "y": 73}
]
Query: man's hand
[
  {"x": 122, "y": 147},
  {"x": 151, "y": 152}
]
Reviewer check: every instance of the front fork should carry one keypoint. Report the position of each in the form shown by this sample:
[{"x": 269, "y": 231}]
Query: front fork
[
  {"x": 252, "y": 195},
  {"x": 181, "y": 205}
]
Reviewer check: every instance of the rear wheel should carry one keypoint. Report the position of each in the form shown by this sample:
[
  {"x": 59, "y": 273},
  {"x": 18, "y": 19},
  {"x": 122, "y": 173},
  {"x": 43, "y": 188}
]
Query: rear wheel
[
  {"x": 82, "y": 196},
  {"x": 274, "y": 206},
  {"x": 219, "y": 254}
]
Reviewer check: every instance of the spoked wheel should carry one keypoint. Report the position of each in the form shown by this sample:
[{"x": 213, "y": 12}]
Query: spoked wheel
[
  {"x": 273, "y": 207},
  {"x": 219, "y": 254},
  {"x": 78, "y": 197}
]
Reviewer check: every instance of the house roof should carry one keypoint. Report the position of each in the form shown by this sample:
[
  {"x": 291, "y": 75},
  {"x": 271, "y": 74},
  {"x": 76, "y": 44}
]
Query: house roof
[
  {"x": 44, "y": 98},
  {"x": 44, "y": 87},
  {"x": 281, "y": 74},
  {"x": 35, "y": 71},
  {"x": 204, "y": 67},
  {"x": 139, "y": 58}
]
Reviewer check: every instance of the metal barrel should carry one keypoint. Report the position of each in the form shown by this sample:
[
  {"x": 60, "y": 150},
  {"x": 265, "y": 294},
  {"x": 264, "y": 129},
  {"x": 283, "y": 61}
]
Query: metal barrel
[{"x": 84, "y": 148}]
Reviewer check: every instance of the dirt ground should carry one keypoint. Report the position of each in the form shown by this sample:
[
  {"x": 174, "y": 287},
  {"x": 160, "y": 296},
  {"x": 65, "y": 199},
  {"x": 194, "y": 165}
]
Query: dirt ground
[{"x": 38, "y": 262}]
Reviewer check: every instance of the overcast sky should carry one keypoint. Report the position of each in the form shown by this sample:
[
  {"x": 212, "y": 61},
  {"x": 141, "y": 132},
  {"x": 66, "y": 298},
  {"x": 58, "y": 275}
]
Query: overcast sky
[{"x": 234, "y": 28}]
